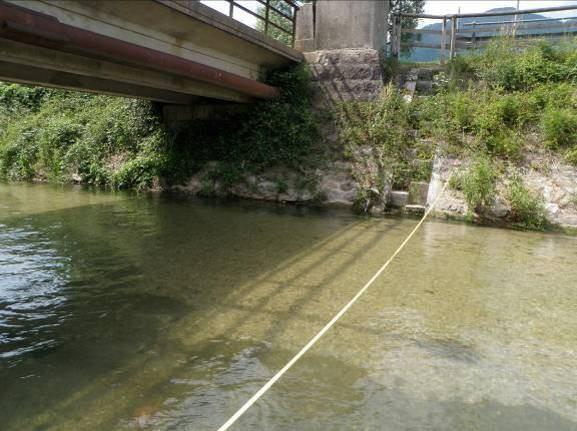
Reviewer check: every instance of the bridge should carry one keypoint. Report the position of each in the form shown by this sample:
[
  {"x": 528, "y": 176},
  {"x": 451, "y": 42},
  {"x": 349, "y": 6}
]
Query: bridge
[{"x": 171, "y": 51}]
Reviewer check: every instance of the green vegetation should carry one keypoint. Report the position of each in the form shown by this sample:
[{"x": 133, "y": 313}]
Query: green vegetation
[
  {"x": 493, "y": 99},
  {"x": 50, "y": 134},
  {"x": 504, "y": 66},
  {"x": 527, "y": 209},
  {"x": 58, "y": 135},
  {"x": 478, "y": 184},
  {"x": 278, "y": 20},
  {"x": 559, "y": 127},
  {"x": 280, "y": 132},
  {"x": 494, "y": 106},
  {"x": 490, "y": 109},
  {"x": 382, "y": 128}
]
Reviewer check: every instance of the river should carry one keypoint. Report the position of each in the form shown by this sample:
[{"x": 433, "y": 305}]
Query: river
[{"x": 123, "y": 312}]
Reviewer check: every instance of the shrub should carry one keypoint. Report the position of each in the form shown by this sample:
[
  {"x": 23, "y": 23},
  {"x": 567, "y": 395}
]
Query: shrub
[
  {"x": 527, "y": 209},
  {"x": 559, "y": 127},
  {"x": 504, "y": 65},
  {"x": 478, "y": 183},
  {"x": 74, "y": 133},
  {"x": 120, "y": 142},
  {"x": 553, "y": 95},
  {"x": 504, "y": 142},
  {"x": 446, "y": 116},
  {"x": 571, "y": 156},
  {"x": 456, "y": 180},
  {"x": 18, "y": 98}
]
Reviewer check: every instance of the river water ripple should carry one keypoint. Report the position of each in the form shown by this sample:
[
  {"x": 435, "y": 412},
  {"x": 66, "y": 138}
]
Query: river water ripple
[{"x": 121, "y": 312}]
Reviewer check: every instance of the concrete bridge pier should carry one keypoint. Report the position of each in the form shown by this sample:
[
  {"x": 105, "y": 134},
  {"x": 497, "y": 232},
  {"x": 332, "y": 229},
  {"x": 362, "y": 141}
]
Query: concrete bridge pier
[{"x": 343, "y": 42}]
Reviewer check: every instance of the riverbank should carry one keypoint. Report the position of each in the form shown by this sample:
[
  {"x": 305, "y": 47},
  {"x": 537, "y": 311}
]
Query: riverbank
[{"x": 500, "y": 126}]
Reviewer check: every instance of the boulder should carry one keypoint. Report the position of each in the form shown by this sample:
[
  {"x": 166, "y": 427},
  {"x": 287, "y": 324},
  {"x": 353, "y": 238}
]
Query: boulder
[{"x": 499, "y": 209}]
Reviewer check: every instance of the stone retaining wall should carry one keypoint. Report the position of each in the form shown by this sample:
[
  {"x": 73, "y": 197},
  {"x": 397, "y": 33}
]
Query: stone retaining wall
[{"x": 545, "y": 175}]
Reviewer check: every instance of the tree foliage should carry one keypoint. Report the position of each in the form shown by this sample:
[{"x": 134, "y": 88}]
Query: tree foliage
[
  {"x": 277, "y": 19},
  {"x": 406, "y": 6}
]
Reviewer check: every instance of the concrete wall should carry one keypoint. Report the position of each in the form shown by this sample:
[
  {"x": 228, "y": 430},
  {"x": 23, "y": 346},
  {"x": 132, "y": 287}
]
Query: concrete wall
[{"x": 331, "y": 24}]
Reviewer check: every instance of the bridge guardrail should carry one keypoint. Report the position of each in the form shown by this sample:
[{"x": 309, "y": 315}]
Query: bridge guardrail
[
  {"x": 276, "y": 18},
  {"x": 455, "y": 36}
]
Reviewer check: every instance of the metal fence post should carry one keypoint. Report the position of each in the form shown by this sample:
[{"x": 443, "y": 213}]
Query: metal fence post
[
  {"x": 453, "y": 36},
  {"x": 444, "y": 41},
  {"x": 399, "y": 35}
]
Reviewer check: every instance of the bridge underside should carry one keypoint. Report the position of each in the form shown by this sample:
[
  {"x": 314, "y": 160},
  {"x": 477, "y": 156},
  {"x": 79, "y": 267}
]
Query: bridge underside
[{"x": 154, "y": 49}]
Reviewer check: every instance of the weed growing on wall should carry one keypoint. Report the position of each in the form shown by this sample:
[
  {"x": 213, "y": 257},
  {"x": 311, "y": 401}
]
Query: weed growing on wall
[
  {"x": 280, "y": 132},
  {"x": 382, "y": 131},
  {"x": 478, "y": 184},
  {"x": 527, "y": 209}
]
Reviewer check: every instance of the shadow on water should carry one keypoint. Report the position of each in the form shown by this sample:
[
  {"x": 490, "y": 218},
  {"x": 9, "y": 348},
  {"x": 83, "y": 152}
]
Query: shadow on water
[
  {"x": 122, "y": 273},
  {"x": 167, "y": 314}
]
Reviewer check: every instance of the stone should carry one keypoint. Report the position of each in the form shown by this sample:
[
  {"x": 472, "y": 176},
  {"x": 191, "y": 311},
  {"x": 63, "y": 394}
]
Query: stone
[
  {"x": 568, "y": 220},
  {"x": 425, "y": 74},
  {"x": 499, "y": 209},
  {"x": 558, "y": 196},
  {"x": 424, "y": 87},
  {"x": 398, "y": 199},
  {"x": 410, "y": 86},
  {"x": 377, "y": 210},
  {"x": 412, "y": 75},
  {"x": 345, "y": 74},
  {"x": 552, "y": 209},
  {"x": 417, "y": 210}
]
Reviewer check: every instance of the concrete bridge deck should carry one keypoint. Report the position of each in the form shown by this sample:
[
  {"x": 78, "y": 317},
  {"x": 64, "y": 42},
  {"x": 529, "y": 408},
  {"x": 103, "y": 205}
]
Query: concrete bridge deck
[{"x": 172, "y": 51}]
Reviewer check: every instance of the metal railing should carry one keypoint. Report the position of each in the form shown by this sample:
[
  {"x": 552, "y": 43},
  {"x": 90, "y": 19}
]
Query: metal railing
[
  {"x": 456, "y": 35},
  {"x": 271, "y": 17}
]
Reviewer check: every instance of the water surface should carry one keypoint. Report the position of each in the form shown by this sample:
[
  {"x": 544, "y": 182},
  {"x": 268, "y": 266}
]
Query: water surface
[{"x": 122, "y": 312}]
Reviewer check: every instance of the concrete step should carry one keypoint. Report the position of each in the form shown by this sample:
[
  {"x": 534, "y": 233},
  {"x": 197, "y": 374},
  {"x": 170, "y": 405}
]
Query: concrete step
[
  {"x": 418, "y": 191},
  {"x": 426, "y": 74},
  {"x": 409, "y": 91},
  {"x": 412, "y": 75},
  {"x": 398, "y": 199}
]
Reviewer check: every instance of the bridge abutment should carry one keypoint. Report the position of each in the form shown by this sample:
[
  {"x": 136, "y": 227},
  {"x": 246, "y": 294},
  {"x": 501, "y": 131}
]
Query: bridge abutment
[{"x": 343, "y": 43}]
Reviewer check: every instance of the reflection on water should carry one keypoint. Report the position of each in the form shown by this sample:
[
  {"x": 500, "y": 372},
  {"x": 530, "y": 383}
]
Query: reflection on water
[
  {"x": 120, "y": 312},
  {"x": 32, "y": 275}
]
